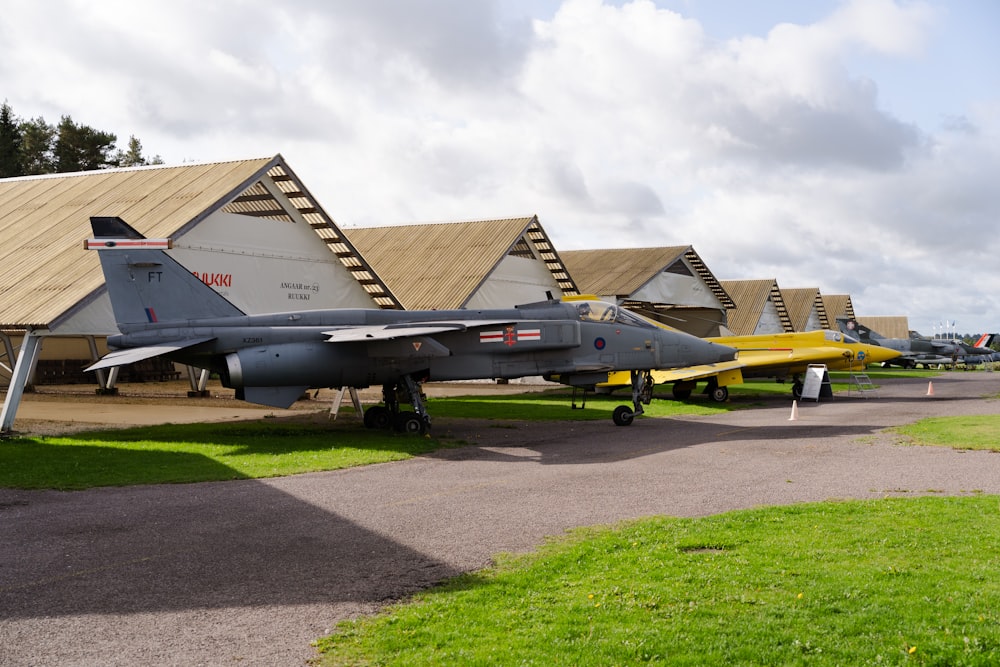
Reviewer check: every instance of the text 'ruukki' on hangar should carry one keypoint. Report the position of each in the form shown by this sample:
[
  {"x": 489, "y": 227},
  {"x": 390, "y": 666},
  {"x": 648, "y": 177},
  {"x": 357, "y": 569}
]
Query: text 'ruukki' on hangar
[
  {"x": 248, "y": 228},
  {"x": 669, "y": 284}
]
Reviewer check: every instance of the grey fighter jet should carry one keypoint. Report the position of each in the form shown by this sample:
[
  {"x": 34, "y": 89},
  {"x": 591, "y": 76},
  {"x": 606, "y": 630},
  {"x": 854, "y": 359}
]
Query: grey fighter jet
[
  {"x": 917, "y": 350},
  {"x": 161, "y": 308}
]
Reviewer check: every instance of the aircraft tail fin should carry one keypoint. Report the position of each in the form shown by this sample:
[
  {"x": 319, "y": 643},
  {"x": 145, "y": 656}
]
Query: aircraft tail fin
[{"x": 147, "y": 285}]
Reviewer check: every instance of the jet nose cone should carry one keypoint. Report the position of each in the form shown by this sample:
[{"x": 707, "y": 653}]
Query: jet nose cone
[
  {"x": 712, "y": 353},
  {"x": 874, "y": 354},
  {"x": 677, "y": 349},
  {"x": 725, "y": 352}
]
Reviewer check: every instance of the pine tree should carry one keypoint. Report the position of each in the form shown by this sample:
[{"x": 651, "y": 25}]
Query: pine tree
[
  {"x": 11, "y": 163},
  {"x": 36, "y": 147},
  {"x": 82, "y": 148},
  {"x": 133, "y": 156}
]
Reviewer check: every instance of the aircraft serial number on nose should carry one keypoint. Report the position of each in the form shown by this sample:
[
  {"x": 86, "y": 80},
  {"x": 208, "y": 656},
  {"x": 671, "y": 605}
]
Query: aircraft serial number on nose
[{"x": 253, "y": 340}]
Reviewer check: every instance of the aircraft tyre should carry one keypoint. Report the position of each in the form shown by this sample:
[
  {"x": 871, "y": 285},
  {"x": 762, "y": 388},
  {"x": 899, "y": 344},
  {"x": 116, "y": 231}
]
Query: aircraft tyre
[
  {"x": 623, "y": 415},
  {"x": 719, "y": 394},
  {"x": 377, "y": 416},
  {"x": 680, "y": 393},
  {"x": 797, "y": 390},
  {"x": 410, "y": 423}
]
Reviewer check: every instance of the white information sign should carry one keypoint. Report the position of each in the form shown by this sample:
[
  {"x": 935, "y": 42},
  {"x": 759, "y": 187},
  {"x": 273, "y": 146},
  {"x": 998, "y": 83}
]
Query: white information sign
[{"x": 815, "y": 377}]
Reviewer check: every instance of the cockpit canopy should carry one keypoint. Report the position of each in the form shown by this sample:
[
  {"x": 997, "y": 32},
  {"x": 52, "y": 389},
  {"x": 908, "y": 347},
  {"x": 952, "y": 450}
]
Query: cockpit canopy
[
  {"x": 602, "y": 311},
  {"x": 838, "y": 337}
]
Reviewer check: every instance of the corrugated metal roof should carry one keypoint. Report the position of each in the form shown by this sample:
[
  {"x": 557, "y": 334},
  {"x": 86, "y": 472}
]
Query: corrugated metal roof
[
  {"x": 838, "y": 305},
  {"x": 801, "y": 302},
  {"x": 750, "y": 297},
  {"x": 44, "y": 272},
  {"x": 441, "y": 265},
  {"x": 618, "y": 271},
  {"x": 897, "y": 326},
  {"x": 624, "y": 271}
]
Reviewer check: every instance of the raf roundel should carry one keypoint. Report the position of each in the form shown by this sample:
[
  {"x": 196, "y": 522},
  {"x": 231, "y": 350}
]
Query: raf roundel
[{"x": 599, "y": 343}]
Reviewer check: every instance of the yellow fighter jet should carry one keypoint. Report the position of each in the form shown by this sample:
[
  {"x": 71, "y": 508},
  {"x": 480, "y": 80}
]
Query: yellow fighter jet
[{"x": 779, "y": 356}]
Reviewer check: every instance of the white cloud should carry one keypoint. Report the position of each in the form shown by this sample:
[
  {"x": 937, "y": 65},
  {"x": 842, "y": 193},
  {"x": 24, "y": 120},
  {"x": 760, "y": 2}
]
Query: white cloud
[{"x": 620, "y": 125}]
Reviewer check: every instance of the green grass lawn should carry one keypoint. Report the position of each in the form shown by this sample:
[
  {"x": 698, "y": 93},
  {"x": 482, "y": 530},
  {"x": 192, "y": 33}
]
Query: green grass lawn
[
  {"x": 267, "y": 448},
  {"x": 888, "y": 582},
  {"x": 174, "y": 453},
  {"x": 197, "y": 453},
  {"x": 842, "y": 583},
  {"x": 967, "y": 432}
]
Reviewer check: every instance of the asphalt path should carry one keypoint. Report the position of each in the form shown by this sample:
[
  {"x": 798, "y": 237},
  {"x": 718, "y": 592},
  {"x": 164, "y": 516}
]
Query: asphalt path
[{"x": 249, "y": 572}]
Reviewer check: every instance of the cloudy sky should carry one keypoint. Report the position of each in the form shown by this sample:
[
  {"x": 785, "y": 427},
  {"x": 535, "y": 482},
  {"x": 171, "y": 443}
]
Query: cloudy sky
[{"x": 848, "y": 145}]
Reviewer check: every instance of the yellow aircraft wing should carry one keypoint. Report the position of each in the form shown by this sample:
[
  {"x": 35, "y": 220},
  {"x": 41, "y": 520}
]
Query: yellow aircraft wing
[
  {"x": 784, "y": 354},
  {"x": 777, "y": 355},
  {"x": 730, "y": 370}
]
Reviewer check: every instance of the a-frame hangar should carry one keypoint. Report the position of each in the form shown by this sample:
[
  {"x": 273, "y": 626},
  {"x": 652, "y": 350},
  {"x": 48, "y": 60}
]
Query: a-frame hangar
[
  {"x": 760, "y": 308},
  {"x": 838, "y": 305},
  {"x": 248, "y": 228},
  {"x": 806, "y": 308},
  {"x": 474, "y": 264},
  {"x": 669, "y": 284}
]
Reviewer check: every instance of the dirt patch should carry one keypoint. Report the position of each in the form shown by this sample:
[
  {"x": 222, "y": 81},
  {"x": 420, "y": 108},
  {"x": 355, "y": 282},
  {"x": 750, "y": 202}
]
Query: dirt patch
[{"x": 62, "y": 409}]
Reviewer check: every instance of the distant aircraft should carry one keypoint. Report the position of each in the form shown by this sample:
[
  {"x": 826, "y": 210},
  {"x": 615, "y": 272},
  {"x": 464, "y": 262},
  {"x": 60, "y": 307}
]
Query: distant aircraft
[
  {"x": 163, "y": 309},
  {"x": 984, "y": 347},
  {"x": 780, "y": 356},
  {"x": 917, "y": 350}
]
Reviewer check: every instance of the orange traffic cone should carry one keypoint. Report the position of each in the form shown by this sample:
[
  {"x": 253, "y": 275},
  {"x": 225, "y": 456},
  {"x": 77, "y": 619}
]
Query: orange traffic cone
[
  {"x": 795, "y": 411},
  {"x": 930, "y": 388}
]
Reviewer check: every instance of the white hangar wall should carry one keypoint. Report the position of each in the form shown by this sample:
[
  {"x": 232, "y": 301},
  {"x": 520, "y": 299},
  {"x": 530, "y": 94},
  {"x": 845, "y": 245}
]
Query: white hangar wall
[
  {"x": 674, "y": 288},
  {"x": 813, "y": 322},
  {"x": 770, "y": 320},
  {"x": 516, "y": 280},
  {"x": 261, "y": 265},
  {"x": 265, "y": 265}
]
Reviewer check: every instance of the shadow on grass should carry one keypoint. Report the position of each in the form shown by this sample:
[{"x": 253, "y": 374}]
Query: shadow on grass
[
  {"x": 29, "y": 463},
  {"x": 181, "y": 453}
]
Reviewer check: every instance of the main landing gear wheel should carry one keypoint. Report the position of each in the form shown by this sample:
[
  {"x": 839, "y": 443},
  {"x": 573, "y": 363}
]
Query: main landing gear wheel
[
  {"x": 389, "y": 416},
  {"x": 410, "y": 423},
  {"x": 719, "y": 394},
  {"x": 623, "y": 415},
  {"x": 797, "y": 390},
  {"x": 680, "y": 394},
  {"x": 377, "y": 416}
]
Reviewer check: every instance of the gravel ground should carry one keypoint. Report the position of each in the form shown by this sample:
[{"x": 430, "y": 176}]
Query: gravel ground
[{"x": 249, "y": 572}]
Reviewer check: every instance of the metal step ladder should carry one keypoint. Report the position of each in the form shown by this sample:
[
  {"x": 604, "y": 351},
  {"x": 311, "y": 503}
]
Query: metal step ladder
[{"x": 860, "y": 383}]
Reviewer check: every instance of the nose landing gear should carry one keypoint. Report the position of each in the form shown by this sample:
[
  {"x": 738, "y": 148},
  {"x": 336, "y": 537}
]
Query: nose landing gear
[{"x": 642, "y": 394}]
